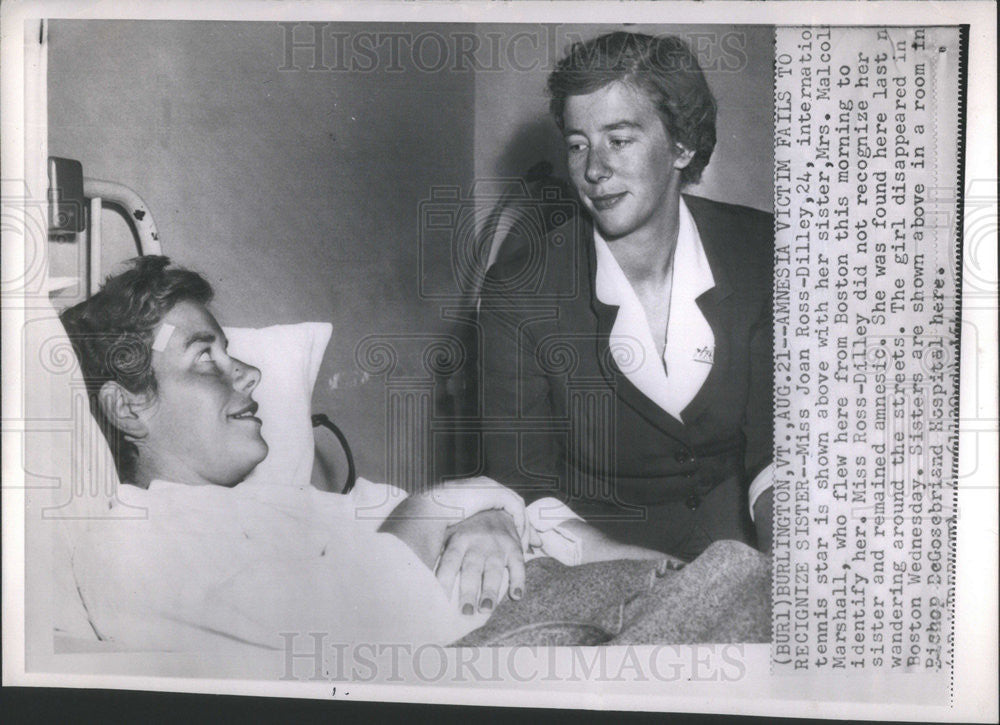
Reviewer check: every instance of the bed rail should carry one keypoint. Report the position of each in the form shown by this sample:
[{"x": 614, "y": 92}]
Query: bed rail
[
  {"x": 76, "y": 203},
  {"x": 101, "y": 192}
]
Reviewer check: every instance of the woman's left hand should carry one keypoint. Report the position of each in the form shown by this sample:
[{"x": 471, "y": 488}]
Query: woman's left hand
[{"x": 478, "y": 551}]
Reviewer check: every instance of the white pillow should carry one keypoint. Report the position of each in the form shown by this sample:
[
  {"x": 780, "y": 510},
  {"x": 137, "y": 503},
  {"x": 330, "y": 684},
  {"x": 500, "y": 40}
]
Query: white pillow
[
  {"x": 72, "y": 467},
  {"x": 289, "y": 358}
]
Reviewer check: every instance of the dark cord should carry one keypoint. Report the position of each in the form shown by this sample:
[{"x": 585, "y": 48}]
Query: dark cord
[{"x": 321, "y": 420}]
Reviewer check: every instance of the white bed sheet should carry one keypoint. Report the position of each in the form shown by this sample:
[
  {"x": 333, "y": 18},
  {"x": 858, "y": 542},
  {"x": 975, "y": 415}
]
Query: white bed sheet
[{"x": 212, "y": 568}]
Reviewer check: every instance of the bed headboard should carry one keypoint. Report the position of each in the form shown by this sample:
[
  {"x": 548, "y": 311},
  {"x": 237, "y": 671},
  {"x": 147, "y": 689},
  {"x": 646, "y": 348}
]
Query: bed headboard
[{"x": 75, "y": 206}]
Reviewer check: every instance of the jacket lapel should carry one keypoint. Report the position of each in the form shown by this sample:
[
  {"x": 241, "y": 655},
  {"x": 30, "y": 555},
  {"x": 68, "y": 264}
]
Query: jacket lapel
[
  {"x": 713, "y": 305},
  {"x": 623, "y": 387},
  {"x": 605, "y": 314}
]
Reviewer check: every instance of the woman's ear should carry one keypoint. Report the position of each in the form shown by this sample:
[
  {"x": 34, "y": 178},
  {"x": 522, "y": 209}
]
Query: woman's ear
[
  {"x": 125, "y": 410},
  {"x": 684, "y": 156}
]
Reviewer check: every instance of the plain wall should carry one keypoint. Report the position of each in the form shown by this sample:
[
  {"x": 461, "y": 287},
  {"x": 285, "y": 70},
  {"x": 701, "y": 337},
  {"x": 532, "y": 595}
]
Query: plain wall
[
  {"x": 295, "y": 193},
  {"x": 514, "y": 129}
]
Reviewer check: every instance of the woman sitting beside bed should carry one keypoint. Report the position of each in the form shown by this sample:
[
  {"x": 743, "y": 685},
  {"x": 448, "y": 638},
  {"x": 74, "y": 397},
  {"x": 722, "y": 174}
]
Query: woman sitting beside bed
[{"x": 213, "y": 564}]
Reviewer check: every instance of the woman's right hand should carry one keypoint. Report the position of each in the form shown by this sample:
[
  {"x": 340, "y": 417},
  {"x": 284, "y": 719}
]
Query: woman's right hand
[{"x": 598, "y": 546}]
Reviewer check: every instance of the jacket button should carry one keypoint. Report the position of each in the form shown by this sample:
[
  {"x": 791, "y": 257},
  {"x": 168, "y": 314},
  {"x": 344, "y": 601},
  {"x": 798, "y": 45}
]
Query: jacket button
[
  {"x": 693, "y": 501},
  {"x": 683, "y": 456}
]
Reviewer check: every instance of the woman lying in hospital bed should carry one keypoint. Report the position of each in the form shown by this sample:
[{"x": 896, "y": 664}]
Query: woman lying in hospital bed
[{"x": 210, "y": 564}]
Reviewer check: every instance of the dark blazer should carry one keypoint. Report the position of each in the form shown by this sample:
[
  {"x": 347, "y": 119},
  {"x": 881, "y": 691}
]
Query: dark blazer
[{"x": 560, "y": 418}]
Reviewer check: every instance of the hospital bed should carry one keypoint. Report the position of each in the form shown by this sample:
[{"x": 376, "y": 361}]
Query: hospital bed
[
  {"x": 76, "y": 207},
  {"x": 83, "y": 470}
]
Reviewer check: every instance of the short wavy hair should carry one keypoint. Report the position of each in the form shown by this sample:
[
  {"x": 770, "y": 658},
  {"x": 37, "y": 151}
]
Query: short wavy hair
[
  {"x": 663, "y": 67},
  {"x": 112, "y": 335}
]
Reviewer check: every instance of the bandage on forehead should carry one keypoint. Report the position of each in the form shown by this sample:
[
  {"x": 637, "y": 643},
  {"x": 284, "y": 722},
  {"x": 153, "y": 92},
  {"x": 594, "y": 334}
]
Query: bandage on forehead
[{"x": 163, "y": 336}]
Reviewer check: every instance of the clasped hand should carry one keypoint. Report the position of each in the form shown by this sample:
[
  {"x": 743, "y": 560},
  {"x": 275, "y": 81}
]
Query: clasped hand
[
  {"x": 478, "y": 549},
  {"x": 475, "y": 531}
]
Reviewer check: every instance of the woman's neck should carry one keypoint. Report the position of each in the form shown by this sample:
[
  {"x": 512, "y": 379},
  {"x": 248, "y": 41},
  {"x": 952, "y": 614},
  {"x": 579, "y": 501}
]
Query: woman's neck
[{"x": 646, "y": 256}]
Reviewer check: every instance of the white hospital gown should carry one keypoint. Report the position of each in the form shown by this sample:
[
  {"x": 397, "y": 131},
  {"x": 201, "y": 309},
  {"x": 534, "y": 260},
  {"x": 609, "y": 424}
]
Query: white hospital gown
[{"x": 209, "y": 568}]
